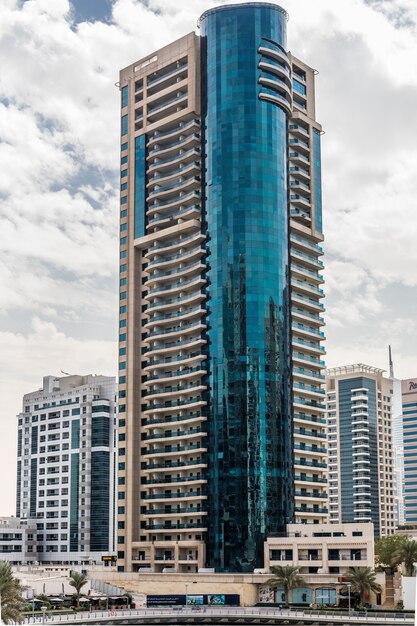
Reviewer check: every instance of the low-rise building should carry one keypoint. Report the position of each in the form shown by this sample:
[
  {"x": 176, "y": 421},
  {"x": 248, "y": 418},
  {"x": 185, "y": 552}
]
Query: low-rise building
[
  {"x": 18, "y": 542},
  {"x": 323, "y": 553}
]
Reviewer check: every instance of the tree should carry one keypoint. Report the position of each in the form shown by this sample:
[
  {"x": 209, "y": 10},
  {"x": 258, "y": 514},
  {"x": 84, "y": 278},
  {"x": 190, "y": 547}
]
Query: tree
[
  {"x": 78, "y": 581},
  {"x": 407, "y": 555},
  {"x": 386, "y": 549},
  {"x": 286, "y": 577},
  {"x": 362, "y": 581},
  {"x": 11, "y": 596}
]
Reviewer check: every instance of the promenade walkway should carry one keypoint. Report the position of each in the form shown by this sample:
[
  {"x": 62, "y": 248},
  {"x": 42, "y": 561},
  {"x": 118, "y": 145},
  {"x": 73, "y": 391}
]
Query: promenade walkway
[{"x": 223, "y": 615}]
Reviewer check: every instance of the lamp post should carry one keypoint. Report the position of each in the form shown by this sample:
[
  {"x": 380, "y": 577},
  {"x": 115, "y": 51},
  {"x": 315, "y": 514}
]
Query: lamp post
[
  {"x": 186, "y": 593},
  {"x": 349, "y": 586},
  {"x": 43, "y": 609},
  {"x": 415, "y": 600}
]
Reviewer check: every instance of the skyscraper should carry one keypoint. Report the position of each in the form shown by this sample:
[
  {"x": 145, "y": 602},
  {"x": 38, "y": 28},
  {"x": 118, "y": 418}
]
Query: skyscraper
[
  {"x": 220, "y": 313},
  {"x": 361, "y": 455},
  {"x": 409, "y": 404},
  {"x": 65, "y": 467}
]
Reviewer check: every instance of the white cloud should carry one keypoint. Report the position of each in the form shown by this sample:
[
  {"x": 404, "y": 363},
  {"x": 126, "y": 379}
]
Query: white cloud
[
  {"x": 59, "y": 129},
  {"x": 24, "y": 360}
]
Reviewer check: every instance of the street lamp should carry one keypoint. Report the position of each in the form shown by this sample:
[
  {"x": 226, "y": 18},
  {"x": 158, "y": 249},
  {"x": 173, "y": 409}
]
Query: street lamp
[
  {"x": 349, "y": 586},
  {"x": 186, "y": 593},
  {"x": 43, "y": 609}
]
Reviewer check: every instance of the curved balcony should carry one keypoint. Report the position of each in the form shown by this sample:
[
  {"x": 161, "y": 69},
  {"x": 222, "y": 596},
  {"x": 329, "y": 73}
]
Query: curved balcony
[
  {"x": 184, "y": 286},
  {"x": 303, "y": 271},
  {"x": 299, "y": 158},
  {"x": 269, "y": 50},
  {"x": 180, "y": 434},
  {"x": 269, "y": 96},
  {"x": 309, "y": 346},
  {"x": 300, "y": 145},
  {"x": 169, "y": 149},
  {"x": 175, "y": 346},
  {"x": 177, "y": 201},
  {"x": 178, "y": 390},
  {"x": 308, "y": 390},
  {"x": 168, "y": 107},
  {"x": 182, "y": 420},
  {"x": 180, "y": 495},
  {"x": 303, "y": 432},
  {"x": 298, "y": 200},
  {"x": 184, "y": 373},
  {"x": 299, "y": 131},
  {"x": 309, "y": 303},
  {"x": 186, "y": 314},
  {"x": 166, "y": 527},
  {"x": 309, "y": 510},
  {"x": 175, "y": 511},
  {"x": 198, "y": 355},
  {"x": 171, "y": 189},
  {"x": 312, "y": 419},
  {"x": 312, "y": 404},
  {"x": 168, "y": 406},
  {"x": 176, "y": 479},
  {"x": 268, "y": 65},
  {"x": 157, "y": 137},
  {"x": 300, "y": 173},
  {"x": 276, "y": 84},
  {"x": 160, "y": 179},
  {"x": 169, "y": 219},
  {"x": 174, "y": 451},
  {"x": 171, "y": 163},
  {"x": 305, "y": 463},
  {"x": 168, "y": 245},
  {"x": 166, "y": 467},
  {"x": 167, "y": 274},
  {"x": 176, "y": 330},
  {"x": 303, "y": 285},
  {"x": 168, "y": 261},
  {"x": 306, "y": 258},
  {"x": 314, "y": 319},
  {"x": 309, "y": 479},
  {"x": 310, "y": 449},
  {"x": 165, "y": 305}
]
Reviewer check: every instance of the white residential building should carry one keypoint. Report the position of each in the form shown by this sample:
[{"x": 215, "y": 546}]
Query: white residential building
[{"x": 66, "y": 467}]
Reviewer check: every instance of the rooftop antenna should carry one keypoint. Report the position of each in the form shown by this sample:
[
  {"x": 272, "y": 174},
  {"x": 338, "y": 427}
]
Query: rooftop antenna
[{"x": 391, "y": 364}]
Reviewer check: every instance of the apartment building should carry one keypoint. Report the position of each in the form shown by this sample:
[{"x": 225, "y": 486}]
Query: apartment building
[
  {"x": 66, "y": 467},
  {"x": 323, "y": 553},
  {"x": 360, "y": 439},
  {"x": 409, "y": 419},
  {"x": 221, "y": 362},
  {"x": 18, "y": 543}
]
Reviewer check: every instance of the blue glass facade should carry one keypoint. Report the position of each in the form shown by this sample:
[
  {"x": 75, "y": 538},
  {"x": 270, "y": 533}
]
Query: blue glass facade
[
  {"x": 250, "y": 441},
  {"x": 318, "y": 219},
  {"x": 140, "y": 185},
  {"x": 346, "y": 426},
  {"x": 410, "y": 461}
]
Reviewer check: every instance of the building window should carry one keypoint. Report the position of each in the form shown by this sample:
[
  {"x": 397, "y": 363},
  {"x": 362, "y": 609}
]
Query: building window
[
  {"x": 124, "y": 126},
  {"x": 125, "y": 96}
]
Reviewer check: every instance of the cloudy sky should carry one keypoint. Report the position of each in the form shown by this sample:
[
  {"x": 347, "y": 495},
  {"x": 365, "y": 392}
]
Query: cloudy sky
[{"x": 59, "y": 136}]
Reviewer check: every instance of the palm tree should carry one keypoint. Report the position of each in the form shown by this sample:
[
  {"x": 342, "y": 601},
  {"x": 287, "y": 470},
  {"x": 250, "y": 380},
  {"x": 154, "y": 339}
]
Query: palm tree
[
  {"x": 407, "y": 555},
  {"x": 287, "y": 577},
  {"x": 78, "y": 581},
  {"x": 11, "y": 596},
  {"x": 362, "y": 581}
]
